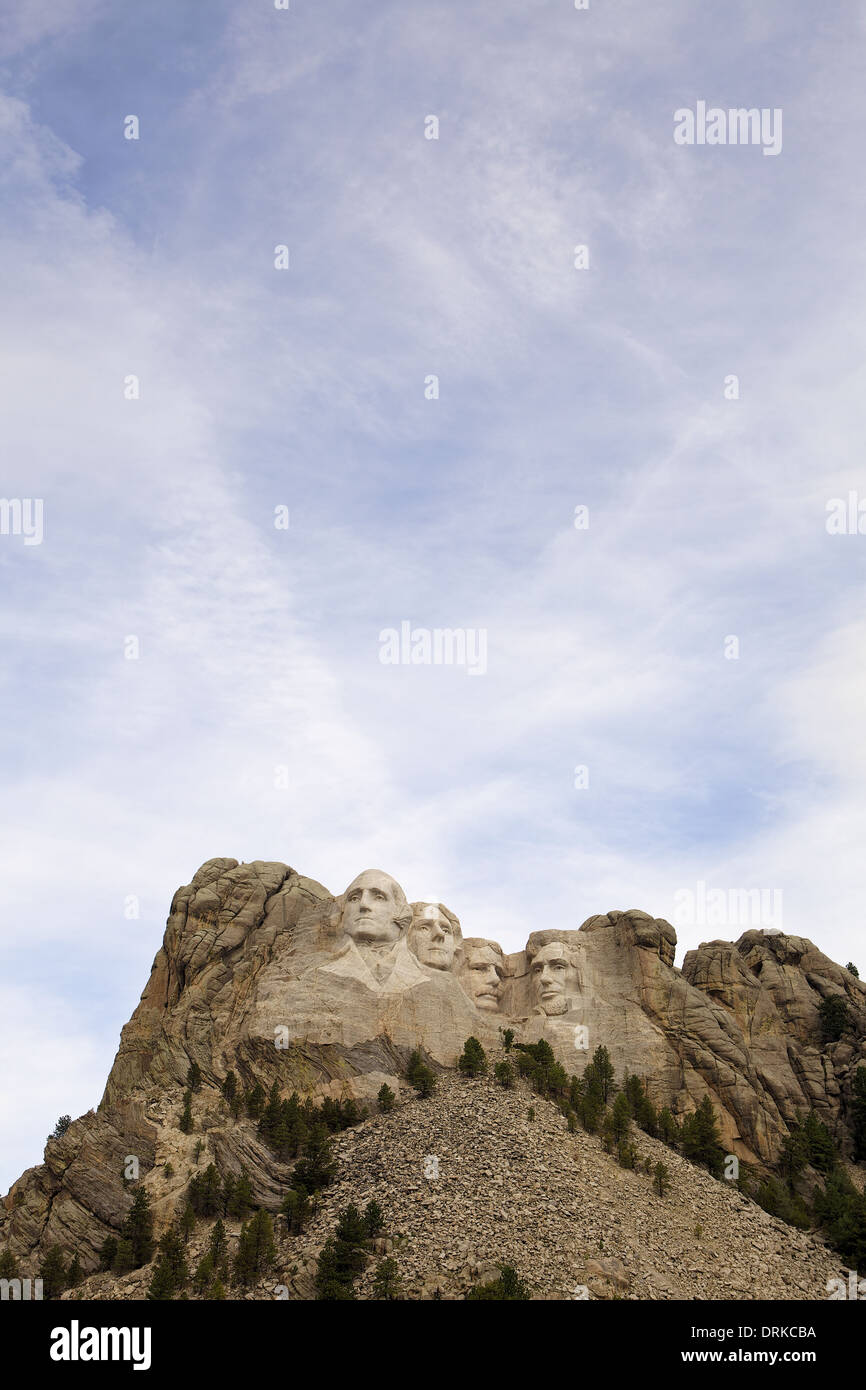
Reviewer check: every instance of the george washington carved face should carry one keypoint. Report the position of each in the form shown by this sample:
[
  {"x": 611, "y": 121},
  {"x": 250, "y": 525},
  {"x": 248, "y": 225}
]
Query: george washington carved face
[{"x": 375, "y": 911}]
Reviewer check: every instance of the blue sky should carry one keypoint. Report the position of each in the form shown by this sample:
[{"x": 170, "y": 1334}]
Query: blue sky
[{"x": 305, "y": 388}]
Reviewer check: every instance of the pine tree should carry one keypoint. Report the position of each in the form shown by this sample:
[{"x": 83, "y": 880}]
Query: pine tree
[
  {"x": 858, "y": 1114},
  {"x": 317, "y": 1168},
  {"x": 193, "y": 1077},
  {"x": 61, "y": 1127},
  {"x": 819, "y": 1143},
  {"x": 162, "y": 1287},
  {"x": 218, "y": 1245},
  {"x": 852, "y": 970},
  {"x": 557, "y": 1080},
  {"x": 351, "y": 1226},
  {"x": 425, "y": 1082},
  {"x": 8, "y": 1266},
  {"x": 264, "y": 1248},
  {"x": 75, "y": 1273},
  {"x": 603, "y": 1073},
  {"x": 297, "y": 1210},
  {"x": 642, "y": 1109},
  {"x": 239, "y": 1200},
  {"x": 669, "y": 1131},
  {"x": 107, "y": 1252},
  {"x": 138, "y": 1228},
  {"x": 124, "y": 1260},
  {"x": 374, "y": 1218},
  {"x": 331, "y": 1284},
  {"x": 386, "y": 1281},
  {"x": 353, "y": 1113},
  {"x": 841, "y": 1210},
  {"x": 172, "y": 1251},
  {"x": 700, "y": 1138},
  {"x": 216, "y": 1291},
  {"x": 649, "y": 1121},
  {"x": 503, "y": 1073},
  {"x": 473, "y": 1059},
  {"x": 256, "y": 1250},
  {"x": 272, "y": 1114},
  {"x": 230, "y": 1087},
  {"x": 255, "y": 1101},
  {"x": 620, "y": 1118},
  {"x": 205, "y": 1192},
  {"x": 185, "y": 1123},
  {"x": 343, "y": 1257},
  {"x": 415, "y": 1061},
  {"x": 187, "y": 1223},
  {"x": 385, "y": 1098},
  {"x": 507, "y": 1038},
  {"x": 420, "y": 1075},
  {"x": 52, "y": 1272},
  {"x": 795, "y": 1153},
  {"x": 204, "y": 1274},
  {"x": 661, "y": 1179}
]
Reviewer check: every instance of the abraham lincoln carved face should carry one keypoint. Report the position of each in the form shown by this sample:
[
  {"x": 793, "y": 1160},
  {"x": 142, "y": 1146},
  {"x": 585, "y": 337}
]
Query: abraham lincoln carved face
[{"x": 555, "y": 974}]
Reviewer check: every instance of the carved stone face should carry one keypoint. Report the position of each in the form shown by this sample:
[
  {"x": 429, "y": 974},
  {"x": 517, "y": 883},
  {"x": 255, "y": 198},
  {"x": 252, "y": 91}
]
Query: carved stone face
[
  {"x": 371, "y": 904},
  {"x": 433, "y": 939},
  {"x": 554, "y": 978},
  {"x": 482, "y": 977}
]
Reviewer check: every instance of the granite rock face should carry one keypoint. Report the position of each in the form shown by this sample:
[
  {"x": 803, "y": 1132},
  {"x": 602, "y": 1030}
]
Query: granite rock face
[{"x": 265, "y": 973}]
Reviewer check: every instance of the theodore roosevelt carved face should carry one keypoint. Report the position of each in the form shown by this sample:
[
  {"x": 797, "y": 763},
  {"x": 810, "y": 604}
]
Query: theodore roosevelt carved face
[{"x": 483, "y": 973}]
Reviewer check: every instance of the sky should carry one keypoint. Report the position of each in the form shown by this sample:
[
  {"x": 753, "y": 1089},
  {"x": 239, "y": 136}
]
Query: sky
[{"x": 670, "y": 701}]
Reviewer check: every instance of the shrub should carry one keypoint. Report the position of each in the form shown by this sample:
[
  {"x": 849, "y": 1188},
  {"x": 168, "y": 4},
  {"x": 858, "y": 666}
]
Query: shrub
[
  {"x": 833, "y": 1014},
  {"x": 509, "y": 1287}
]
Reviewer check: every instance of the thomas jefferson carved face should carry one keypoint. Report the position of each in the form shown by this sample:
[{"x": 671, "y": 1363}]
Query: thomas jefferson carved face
[
  {"x": 434, "y": 935},
  {"x": 554, "y": 978},
  {"x": 482, "y": 976},
  {"x": 375, "y": 910}
]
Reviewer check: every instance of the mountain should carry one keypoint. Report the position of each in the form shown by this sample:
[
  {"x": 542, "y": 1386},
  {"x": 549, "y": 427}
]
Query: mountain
[{"x": 265, "y": 974}]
